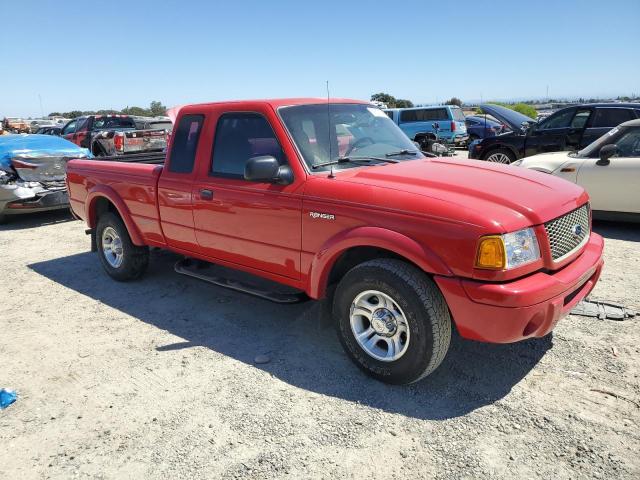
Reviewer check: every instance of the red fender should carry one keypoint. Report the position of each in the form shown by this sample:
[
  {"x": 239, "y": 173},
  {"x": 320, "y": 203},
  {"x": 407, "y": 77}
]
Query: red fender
[
  {"x": 110, "y": 194},
  {"x": 369, "y": 237}
]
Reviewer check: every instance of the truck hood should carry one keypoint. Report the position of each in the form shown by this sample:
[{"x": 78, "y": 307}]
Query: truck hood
[{"x": 498, "y": 197}]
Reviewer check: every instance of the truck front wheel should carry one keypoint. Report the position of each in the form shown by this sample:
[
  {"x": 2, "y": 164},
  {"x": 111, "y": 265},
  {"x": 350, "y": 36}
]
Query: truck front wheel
[
  {"x": 119, "y": 256},
  {"x": 392, "y": 320}
]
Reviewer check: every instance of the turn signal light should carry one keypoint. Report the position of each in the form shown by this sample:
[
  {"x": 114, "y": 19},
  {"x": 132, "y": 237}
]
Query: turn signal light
[{"x": 491, "y": 253}]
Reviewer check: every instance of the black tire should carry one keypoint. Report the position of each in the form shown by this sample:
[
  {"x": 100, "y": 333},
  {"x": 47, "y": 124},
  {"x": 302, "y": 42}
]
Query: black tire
[
  {"x": 3, "y": 218},
  {"x": 497, "y": 153},
  {"x": 135, "y": 259},
  {"x": 425, "y": 310}
]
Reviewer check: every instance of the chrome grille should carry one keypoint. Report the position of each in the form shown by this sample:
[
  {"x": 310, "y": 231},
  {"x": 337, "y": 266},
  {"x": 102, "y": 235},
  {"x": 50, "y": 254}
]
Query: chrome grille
[{"x": 568, "y": 233}]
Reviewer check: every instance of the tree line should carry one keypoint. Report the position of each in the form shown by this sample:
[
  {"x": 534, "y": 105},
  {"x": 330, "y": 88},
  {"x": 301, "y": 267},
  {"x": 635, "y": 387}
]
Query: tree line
[{"x": 156, "y": 109}]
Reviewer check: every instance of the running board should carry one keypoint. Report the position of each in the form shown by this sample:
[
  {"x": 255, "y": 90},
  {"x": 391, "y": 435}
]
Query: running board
[{"x": 212, "y": 273}]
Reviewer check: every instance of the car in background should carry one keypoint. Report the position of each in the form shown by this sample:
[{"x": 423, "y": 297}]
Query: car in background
[
  {"x": 609, "y": 169},
  {"x": 15, "y": 125},
  {"x": 108, "y": 135},
  {"x": 420, "y": 123},
  {"x": 479, "y": 126},
  {"x": 50, "y": 130},
  {"x": 35, "y": 125},
  {"x": 570, "y": 128}
]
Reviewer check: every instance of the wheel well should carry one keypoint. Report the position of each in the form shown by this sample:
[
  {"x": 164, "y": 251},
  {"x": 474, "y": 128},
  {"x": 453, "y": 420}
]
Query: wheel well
[
  {"x": 101, "y": 206},
  {"x": 355, "y": 256}
]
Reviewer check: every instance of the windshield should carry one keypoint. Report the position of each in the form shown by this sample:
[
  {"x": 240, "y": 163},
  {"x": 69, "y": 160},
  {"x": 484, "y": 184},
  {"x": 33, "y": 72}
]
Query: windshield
[
  {"x": 593, "y": 149},
  {"x": 326, "y": 132}
]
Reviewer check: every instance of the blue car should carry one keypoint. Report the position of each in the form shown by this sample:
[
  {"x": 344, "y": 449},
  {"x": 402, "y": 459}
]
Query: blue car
[
  {"x": 419, "y": 122},
  {"x": 479, "y": 127}
]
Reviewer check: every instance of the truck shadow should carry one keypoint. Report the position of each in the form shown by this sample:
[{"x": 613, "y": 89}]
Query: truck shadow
[
  {"x": 303, "y": 352},
  {"x": 618, "y": 230}
]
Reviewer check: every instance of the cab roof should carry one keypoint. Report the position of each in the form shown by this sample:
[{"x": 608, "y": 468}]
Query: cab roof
[{"x": 282, "y": 102}]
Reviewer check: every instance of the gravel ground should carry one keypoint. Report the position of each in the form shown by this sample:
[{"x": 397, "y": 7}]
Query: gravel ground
[{"x": 156, "y": 379}]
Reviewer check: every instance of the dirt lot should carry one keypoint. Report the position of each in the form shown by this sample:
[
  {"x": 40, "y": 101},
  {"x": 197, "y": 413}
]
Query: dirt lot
[{"x": 156, "y": 379}]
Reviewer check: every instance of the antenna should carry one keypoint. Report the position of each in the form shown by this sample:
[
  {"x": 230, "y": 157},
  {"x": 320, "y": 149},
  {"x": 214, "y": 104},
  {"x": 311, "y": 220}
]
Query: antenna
[{"x": 331, "y": 175}]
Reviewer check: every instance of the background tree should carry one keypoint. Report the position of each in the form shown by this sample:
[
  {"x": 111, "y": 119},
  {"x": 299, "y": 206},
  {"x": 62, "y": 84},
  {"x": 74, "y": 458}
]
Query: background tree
[
  {"x": 157, "y": 109},
  {"x": 391, "y": 101},
  {"x": 401, "y": 103},
  {"x": 454, "y": 101}
]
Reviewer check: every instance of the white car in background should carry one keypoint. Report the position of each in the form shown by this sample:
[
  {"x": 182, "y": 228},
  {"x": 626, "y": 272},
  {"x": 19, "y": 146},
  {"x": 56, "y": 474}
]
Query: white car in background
[{"x": 609, "y": 169}]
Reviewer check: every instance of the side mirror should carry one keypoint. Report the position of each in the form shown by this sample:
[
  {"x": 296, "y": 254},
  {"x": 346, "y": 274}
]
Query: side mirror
[
  {"x": 606, "y": 153},
  {"x": 267, "y": 169}
]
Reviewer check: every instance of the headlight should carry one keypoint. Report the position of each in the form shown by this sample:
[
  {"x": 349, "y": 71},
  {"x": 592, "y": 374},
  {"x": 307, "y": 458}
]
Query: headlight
[{"x": 508, "y": 251}]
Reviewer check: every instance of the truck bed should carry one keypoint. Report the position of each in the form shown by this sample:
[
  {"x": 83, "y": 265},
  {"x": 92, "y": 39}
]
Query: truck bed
[
  {"x": 155, "y": 158},
  {"x": 128, "y": 181}
]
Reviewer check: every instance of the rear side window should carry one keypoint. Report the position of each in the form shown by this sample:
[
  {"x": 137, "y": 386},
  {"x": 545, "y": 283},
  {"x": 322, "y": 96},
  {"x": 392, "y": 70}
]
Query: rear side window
[
  {"x": 240, "y": 137},
  {"x": 458, "y": 114},
  {"x": 185, "y": 142},
  {"x": 611, "y": 117},
  {"x": 424, "y": 115}
]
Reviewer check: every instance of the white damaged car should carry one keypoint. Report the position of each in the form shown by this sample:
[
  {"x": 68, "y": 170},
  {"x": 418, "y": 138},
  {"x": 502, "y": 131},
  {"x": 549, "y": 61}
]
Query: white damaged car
[{"x": 609, "y": 169}]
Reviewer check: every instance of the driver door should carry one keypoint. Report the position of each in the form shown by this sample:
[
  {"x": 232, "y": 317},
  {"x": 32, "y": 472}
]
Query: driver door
[
  {"x": 615, "y": 187},
  {"x": 254, "y": 224}
]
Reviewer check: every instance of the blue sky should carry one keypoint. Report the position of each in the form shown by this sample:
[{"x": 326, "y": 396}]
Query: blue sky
[{"x": 118, "y": 53}]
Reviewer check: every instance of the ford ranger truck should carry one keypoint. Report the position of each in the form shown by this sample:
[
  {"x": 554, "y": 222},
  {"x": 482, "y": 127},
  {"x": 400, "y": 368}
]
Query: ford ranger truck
[{"x": 330, "y": 200}]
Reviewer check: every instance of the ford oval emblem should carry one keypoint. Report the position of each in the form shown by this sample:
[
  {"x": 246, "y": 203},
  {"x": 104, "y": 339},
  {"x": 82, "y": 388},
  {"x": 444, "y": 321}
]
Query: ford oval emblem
[{"x": 576, "y": 230}]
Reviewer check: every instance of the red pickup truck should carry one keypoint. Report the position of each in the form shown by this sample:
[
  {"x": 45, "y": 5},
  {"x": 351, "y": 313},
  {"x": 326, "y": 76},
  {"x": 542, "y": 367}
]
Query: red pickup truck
[{"x": 330, "y": 200}]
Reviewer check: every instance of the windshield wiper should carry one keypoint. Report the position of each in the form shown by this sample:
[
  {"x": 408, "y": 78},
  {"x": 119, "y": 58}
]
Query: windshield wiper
[
  {"x": 400, "y": 152},
  {"x": 340, "y": 160}
]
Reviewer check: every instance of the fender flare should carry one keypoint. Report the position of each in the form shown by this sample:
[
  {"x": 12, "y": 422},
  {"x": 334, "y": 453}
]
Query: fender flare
[
  {"x": 377, "y": 237},
  {"x": 104, "y": 191}
]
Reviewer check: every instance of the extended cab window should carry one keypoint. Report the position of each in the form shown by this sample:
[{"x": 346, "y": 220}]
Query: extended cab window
[
  {"x": 185, "y": 142},
  {"x": 611, "y": 117},
  {"x": 240, "y": 137}
]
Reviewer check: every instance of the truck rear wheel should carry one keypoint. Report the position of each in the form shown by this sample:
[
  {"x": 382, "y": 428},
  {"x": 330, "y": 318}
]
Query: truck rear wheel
[
  {"x": 392, "y": 320},
  {"x": 121, "y": 259}
]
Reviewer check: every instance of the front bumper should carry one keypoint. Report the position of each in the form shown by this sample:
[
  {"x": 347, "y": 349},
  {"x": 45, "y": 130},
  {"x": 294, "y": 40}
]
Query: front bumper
[
  {"x": 525, "y": 308},
  {"x": 13, "y": 204}
]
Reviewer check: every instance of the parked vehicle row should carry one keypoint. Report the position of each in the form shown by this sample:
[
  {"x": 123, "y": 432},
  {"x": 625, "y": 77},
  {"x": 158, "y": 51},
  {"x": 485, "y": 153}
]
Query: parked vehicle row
[
  {"x": 336, "y": 202},
  {"x": 609, "y": 169},
  {"x": 571, "y": 128},
  {"x": 420, "y": 123}
]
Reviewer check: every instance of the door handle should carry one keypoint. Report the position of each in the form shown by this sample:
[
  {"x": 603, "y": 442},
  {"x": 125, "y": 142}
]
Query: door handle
[{"x": 206, "y": 194}]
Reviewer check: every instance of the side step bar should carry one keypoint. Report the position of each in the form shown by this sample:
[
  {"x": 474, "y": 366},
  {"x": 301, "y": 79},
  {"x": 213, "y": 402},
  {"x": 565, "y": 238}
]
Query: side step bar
[{"x": 207, "y": 272}]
